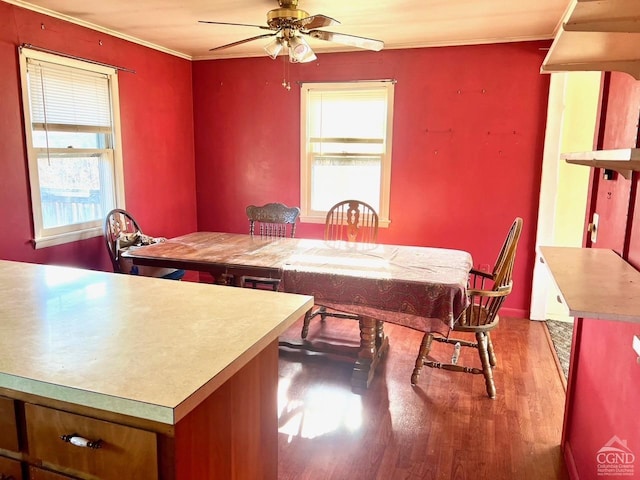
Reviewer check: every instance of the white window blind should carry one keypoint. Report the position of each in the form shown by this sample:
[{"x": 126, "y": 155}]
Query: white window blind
[{"x": 63, "y": 96}]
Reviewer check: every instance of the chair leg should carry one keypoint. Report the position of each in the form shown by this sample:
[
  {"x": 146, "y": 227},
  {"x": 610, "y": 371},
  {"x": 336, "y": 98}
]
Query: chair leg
[
  {"x": 492, "y": 353},
  {"x": 379, "y": 333},
  {"x": 425, "y": 347},
  {"x": 482, "y": 339},
  {"x": 305, "y": 324}
]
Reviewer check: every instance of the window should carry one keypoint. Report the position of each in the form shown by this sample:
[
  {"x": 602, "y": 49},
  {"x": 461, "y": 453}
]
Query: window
[
  {"x": 73, "y": 145},
  {"x": 345, "y": 146}
]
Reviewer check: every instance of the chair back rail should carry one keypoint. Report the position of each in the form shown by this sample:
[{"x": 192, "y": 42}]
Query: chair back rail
[
  {"x": 274, "y": 219},
  {"x": 353, "y": 221}
]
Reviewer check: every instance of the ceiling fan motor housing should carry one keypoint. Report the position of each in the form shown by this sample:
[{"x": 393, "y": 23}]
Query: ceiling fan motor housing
[{"x": 287, "y": 13}]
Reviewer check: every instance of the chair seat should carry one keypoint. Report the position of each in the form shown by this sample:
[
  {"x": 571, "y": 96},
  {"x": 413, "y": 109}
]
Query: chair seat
[{"x": 175, "y": 275}]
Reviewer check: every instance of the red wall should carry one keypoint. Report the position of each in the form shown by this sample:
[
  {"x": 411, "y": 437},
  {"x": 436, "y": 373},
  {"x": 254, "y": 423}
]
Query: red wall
[
  {"x": 157, "y": 136},
  {"x": 603, "y": 392},
  {"x": 467, "y": 143},
  {"x": 467, "y": 147}
]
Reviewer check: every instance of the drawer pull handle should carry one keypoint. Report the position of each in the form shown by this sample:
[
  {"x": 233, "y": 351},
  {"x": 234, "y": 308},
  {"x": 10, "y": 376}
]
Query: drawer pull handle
[{"x": 78, "y": 441}]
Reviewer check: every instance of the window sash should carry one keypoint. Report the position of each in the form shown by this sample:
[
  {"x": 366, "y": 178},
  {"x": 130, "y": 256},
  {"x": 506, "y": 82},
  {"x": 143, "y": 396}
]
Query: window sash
[
  {"x": 361, "y": 144},
  {"x": 72, "y": 129}
]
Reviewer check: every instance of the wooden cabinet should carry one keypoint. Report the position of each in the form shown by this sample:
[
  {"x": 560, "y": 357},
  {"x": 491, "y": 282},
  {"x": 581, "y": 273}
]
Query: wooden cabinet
[
  {"x": 116, "y": 448},
  {"x": 121, "y": 448},
  {"x": 10, "y": 469},
  {"x": 8, "y": 425},
  {"x": 231, "y": 434},
  {"x": 41, "y": 474}
]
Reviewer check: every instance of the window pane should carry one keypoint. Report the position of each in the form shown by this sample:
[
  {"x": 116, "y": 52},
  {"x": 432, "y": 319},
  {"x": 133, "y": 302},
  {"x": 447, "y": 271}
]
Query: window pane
[
  {"x": 74, "y": 188},
  {"x": 339, "y": 178},
  {"x": 351, "y": 114},
  {"x": 70, "y": 139}
]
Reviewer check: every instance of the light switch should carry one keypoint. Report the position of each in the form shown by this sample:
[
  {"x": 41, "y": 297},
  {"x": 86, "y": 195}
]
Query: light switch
[
  {"x": 636, "y": 344},
  {"x": 593, "y": 227}
]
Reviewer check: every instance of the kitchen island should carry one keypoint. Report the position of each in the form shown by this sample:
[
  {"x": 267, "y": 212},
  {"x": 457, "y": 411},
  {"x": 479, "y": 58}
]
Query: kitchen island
[{"x": 119, "y": 376}]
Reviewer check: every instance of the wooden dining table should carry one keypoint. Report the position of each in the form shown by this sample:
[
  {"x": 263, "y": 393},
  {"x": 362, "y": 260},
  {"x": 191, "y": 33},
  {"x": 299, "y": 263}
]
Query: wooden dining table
[{"x": 423, "y": 288}]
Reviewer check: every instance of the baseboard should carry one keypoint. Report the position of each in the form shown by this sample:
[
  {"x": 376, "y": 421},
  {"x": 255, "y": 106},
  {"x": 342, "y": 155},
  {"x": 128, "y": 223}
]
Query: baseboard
[
  {"x": 570, "y": 462},
  {"x": 514, "y": 313}
]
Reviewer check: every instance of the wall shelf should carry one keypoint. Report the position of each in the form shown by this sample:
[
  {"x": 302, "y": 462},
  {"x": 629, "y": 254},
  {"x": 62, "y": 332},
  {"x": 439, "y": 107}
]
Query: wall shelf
[
  {"x": 597, "y": 36},
  {"x": 622, "y": 160},
  {"x": 594, "y": 282}
]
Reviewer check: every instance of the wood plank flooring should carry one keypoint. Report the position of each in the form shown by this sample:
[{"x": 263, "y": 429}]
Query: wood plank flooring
[{"x": 444, "y": 428}]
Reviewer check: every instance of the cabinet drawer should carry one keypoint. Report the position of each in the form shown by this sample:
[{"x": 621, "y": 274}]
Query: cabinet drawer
[
  {"x": 124, "y": 452},
  {"x": 40, "y": 474},
  {"x": 10, "y": 469},
  {"x": 8, "y": 425}
]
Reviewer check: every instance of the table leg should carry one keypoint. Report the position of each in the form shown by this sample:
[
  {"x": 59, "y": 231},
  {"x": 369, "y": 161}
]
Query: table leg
[{"x": 373, "y": 346}]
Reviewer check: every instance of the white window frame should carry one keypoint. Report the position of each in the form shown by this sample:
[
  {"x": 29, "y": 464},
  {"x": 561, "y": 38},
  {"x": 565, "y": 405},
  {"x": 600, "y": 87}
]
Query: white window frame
[
  {"x": 46, "y": 237},
  {"x": 306, "y": 159}
]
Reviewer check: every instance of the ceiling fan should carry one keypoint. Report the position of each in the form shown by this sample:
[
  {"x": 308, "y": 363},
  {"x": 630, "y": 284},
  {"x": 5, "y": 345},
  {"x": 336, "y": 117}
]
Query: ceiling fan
[{"x": 289, "y": 24}]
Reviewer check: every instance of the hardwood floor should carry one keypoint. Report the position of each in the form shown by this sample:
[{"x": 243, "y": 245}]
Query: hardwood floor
[{"x": 444, "y": 428}]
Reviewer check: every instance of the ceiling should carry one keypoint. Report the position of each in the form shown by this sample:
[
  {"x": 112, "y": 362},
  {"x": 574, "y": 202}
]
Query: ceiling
[{"x": 172, "y": 25}]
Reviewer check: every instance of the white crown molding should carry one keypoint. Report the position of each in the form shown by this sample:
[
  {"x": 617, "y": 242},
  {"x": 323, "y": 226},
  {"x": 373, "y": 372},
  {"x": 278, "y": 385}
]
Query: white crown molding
[{"x": 92, "y": 26}]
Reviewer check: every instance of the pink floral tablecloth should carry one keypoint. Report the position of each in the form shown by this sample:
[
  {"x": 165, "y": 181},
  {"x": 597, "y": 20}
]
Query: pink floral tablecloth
[{"x": 418, "y": 287}]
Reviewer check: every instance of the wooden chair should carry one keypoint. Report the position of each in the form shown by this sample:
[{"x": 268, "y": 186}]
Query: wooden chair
[
  {"x": 487, "y": 292},
  {"x": 352, "y": 221},
  {"x": 121, "y": 231},
  {"x": 273, "y": 220}
]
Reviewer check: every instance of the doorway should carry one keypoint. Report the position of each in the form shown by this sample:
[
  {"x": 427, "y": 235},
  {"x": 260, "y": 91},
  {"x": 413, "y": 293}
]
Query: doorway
[{"x": 571, "y": 127}]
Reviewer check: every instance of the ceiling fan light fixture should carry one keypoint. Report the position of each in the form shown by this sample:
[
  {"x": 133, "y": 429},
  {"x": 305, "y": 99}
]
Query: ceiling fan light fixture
[
  {"x": 274, "y": 47},
  {"x": 300, "y": 51},
  {"x": 288, "y": 23}
]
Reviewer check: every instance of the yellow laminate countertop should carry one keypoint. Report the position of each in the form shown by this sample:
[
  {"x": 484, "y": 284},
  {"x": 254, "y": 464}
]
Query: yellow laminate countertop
[{"x": 139, "y": 346}]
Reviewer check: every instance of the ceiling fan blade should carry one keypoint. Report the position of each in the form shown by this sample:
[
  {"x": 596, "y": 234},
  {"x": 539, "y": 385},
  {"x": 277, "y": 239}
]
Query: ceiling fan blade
[
  {"x": 236, "y": 24},
  {"x": 360, "y": 42},
  {"x": 316, "y": 21},
  {"x": 240, "y": 42}
]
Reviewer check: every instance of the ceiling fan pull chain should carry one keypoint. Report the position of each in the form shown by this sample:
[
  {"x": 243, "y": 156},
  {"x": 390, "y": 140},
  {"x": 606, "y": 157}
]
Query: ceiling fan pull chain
[{"x": 285, "y": 73}]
